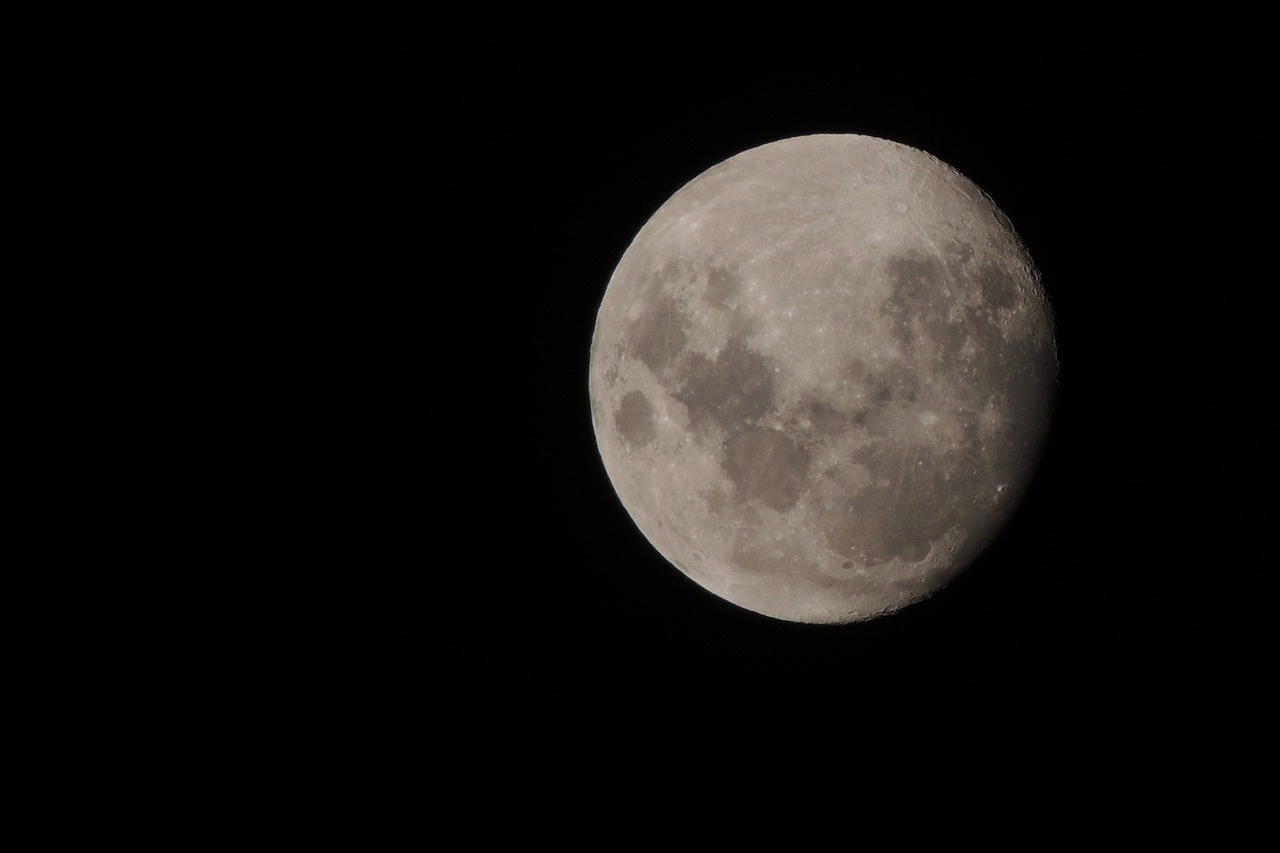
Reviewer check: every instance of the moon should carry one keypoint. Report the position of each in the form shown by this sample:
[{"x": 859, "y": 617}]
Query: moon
[{"x": 821, "y": 377}]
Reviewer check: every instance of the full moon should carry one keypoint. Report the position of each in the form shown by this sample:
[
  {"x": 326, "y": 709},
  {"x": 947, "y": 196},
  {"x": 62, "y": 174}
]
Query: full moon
[{"x": 821, "y": 377}]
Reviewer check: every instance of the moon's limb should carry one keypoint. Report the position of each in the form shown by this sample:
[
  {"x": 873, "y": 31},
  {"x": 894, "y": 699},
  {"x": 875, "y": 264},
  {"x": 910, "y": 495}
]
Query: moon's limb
[{"x": 821, "y": 375}]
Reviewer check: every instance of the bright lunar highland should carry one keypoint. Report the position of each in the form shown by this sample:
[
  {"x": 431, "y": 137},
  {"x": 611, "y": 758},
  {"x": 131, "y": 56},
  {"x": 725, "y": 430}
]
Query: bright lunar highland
[{"x": 822, "y": 375}]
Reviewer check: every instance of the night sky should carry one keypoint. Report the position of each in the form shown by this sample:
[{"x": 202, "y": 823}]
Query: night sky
[{"x": 1139, "y": 168}]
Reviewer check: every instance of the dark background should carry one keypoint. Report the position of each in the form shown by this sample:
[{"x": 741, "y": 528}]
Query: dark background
[{"x": 1138, "y": 165}]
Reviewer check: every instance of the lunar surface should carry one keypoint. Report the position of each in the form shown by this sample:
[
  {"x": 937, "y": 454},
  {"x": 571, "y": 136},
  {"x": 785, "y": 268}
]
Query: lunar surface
[{"x": 821, "y": 377}]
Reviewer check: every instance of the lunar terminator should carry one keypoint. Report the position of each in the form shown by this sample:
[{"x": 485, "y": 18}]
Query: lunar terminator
[{"x": 821, "y": 377}]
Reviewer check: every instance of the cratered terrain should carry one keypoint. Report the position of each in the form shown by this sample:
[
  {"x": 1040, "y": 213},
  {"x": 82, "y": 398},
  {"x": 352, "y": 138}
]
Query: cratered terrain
[{"x": 821, "y": 377}]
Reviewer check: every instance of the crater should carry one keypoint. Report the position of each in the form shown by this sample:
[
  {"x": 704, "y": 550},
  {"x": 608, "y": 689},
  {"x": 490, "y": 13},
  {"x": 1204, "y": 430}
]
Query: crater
[
  {"x": 634, "y": 420},
  {"x": 768, "y": 466}
]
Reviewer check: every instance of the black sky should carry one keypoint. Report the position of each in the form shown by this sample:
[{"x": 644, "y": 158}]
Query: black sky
[{"x": 1139, "y": 168}]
